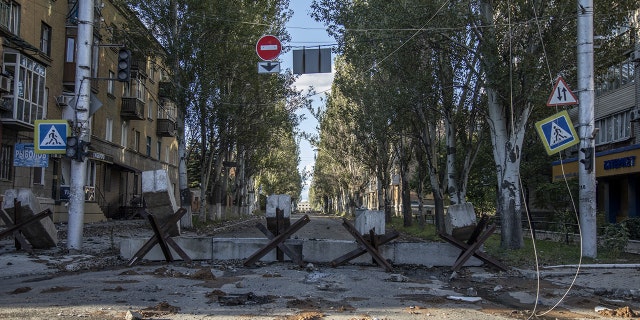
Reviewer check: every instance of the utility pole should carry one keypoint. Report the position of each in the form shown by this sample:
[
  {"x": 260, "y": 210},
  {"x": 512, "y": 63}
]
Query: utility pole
[
  {"x": 586, "y": 171},
  {"x": 81, "y": 125}
]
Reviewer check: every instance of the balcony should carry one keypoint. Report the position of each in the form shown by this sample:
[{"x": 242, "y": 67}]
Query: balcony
[
  {"x": 138, "y": 66},
  {"x": 166, "y": 89},
  {"x": 132, "y": 109},
  {"x": 166, "y": 128}
]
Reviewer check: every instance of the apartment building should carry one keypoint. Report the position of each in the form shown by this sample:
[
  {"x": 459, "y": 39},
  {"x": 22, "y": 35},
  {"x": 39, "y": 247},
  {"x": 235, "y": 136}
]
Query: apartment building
[
  {"x": 617, "y": 119},
  {"x": 133, "y": 123}
]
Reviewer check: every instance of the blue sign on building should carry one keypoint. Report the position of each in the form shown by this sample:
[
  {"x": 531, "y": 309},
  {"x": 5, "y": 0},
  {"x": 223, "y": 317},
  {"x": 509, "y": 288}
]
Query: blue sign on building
[{"x": 26, "y": 156}]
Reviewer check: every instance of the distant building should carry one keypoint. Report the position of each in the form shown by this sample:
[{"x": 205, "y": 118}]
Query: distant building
[{"x": 304, "y": 206}]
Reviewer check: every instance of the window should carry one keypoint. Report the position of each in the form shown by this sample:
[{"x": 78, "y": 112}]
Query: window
[
  {"x": 614, "y": 128},
  {"x": 45, "y": 39},
  {"x": 110, "y": 83},
  {"x": 148, "y": 146},
  {"x": 6, "y": 162},
  {"x": 70, "y": 51},
  {"x": 136, "y": 141},
  {"x": 124, "y": 134},
  {"x": 166, "y": 154},
  {"x": 159, "y": 146},
  {"x": 150, "y": 109},
  {"x": 139, "y": 87},
  {"x": 10, "y": 16},
  {"x": 108, "y": 131},
  {"x": 30, "y": 98},
  {"x": 38, "y": 176}
]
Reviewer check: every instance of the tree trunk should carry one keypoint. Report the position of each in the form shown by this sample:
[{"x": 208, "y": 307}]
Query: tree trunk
[{"x": 507, "y": 155}]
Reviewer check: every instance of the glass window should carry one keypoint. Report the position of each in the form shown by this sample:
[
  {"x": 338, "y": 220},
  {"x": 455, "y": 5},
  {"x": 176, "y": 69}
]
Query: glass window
[
  {"x": 614, "y": 128},
  {"x": 6, "y": 161},
  {"x": 108, "y": 132},
  {"x": 45, "y": 39},
  {"x": 38, "y": 176},
  {"x": 124, "y": 134},
  {"x": 30, "y": 96},
  {"x": 71, "y": 50},
  {"x": 136, "y": 141},
  {"x": 110, "y": 83},
  {"x": 10, "y": 16},
  {"x": 159, "y": 146},
  {"x": 148, "y": 146}
]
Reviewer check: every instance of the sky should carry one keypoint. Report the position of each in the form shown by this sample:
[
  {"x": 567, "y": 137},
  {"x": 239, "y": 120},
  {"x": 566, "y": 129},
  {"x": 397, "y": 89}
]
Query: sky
[{"x": 305, "y": 31}]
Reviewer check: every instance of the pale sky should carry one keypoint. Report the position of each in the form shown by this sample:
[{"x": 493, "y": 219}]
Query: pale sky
[{"x": 305, "y": 31}]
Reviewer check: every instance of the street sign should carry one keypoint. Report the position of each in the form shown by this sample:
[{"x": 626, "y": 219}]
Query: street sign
[
  {"x": 561, "y": 95},
  {"x": 268, "y": 48},
  {"x": 557, "y": 132},
  {"x": 51, "y": 136},
  {"x": 268, "y": 67}
]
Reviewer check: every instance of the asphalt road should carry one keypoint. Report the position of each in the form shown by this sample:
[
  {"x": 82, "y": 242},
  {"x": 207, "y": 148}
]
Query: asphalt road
[{"x": 94, "y": 285}]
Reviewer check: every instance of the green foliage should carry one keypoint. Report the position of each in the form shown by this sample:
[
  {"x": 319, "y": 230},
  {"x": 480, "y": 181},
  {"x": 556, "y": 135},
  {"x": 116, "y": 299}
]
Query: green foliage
[
  {"x": 633, "y": 226},
  {"x": 614, "y": 238},
  {"x": 427, "y": 232},
  {"x": 548, "y": 252}
]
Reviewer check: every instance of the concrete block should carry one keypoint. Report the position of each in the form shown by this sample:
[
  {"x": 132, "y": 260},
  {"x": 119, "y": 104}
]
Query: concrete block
[
  {"x": 158, "y": 194},
  {"x": 41, "y": 234},
  {"x": 428, "y": 254},
  {"x": 278, "y": 201},
  {"x": 195, "y": 248},
  {"x": 243, "y": 248},
  {"x": 459, "y": 216},
  {"x": 370, "y": 219}
]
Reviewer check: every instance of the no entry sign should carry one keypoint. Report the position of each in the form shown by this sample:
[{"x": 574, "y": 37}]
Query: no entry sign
[{"x": 268, "y": 48}]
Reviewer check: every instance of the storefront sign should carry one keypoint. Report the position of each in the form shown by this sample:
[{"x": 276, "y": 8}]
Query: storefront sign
[
  {"x": 625, "y": 162},
  {"x": 26, "y": 156}
]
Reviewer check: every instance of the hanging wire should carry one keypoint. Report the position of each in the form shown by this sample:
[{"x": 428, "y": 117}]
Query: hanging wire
[{"x": 564, "y": 176}]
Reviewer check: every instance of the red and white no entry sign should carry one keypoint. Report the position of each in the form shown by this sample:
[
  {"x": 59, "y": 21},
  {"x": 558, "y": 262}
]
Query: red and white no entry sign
[{"x": 268, "y": 48}]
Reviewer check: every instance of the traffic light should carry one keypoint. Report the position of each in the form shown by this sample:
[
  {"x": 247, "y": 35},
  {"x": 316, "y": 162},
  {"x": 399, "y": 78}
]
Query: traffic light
[
  {"x": 588, "y": 158},
  {"x": 77, "y": 149},
  {"x": 124, "y": 65},
  {"x": 72, "y": 147}
]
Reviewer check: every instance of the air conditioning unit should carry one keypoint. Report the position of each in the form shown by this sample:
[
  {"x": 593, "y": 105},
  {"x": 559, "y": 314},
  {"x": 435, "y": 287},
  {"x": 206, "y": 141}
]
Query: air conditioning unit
[
  {"x": 63, "y": 100},
  {"x": 634, "y": 115},
  {"x": 5, "y": 84}
]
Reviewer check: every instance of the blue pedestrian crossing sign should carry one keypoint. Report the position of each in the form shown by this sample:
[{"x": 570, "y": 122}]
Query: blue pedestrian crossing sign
[
  {"x": 51, "y": 136},
  {"x": 557, "y": 132}
]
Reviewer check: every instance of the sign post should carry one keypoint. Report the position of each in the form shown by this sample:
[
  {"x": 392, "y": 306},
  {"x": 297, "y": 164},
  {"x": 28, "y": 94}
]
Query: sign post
[{"x": 268, "y": 48}]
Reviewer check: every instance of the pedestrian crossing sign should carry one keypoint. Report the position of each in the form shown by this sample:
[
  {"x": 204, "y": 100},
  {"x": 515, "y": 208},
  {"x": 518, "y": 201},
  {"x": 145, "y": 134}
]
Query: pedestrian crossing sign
[
  {"x": 51, "y": 136},
  {"x": 557, "y": 132}
]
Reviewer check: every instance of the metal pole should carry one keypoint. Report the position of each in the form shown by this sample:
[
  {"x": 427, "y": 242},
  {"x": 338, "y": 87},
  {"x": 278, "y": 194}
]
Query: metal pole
[
  {"x": 587, "y": 178},
  {"x": 81, "y": 126}
]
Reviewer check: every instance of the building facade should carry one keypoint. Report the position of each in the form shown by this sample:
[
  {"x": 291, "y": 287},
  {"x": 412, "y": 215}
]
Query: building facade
[
  {"x": 617, "y": 119},
  {"x": 133, "y": 123}
]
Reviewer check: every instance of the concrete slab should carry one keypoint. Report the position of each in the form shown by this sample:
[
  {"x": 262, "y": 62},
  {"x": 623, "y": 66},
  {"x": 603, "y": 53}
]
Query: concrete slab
[
  {"x": 195, "y": 248},
  {"x": 278, "y": 201},
  {"x": 41, "y": 234},
  {"x": 459, "y": 216},
  {"x": 370, "y": 219},
  {"x": 313, "y": 250},
  {"x": 158, "y": 194}
]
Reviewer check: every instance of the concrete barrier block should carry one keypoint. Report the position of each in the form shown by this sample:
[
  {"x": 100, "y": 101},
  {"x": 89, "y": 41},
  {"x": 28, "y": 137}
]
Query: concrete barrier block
[
  {"x": 459, "y": 216},
  {"x": 437, "y": 254},
  {"x": 278, "y": 201},
  {"x": 195, "y": 248},
  {"x": 159, "y": 197},
  {"x": 41, "y": 234},
  {"x": 370, "y": 219}
]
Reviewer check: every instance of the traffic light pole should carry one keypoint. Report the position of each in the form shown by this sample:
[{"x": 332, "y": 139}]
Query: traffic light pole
[
  {"x": 586, "y": 171},
  {"x": 81, "y": 124}
]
